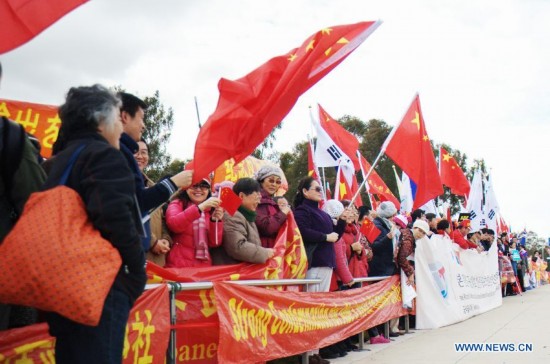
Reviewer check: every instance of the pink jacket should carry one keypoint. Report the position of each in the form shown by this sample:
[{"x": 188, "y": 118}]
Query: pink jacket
[
  {"x": 342, "y": 269},
  {"x": 180, "y": 223}
]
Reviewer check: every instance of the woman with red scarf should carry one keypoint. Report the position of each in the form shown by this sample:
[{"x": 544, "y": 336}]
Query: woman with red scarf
[{"x": 195, "y": 221}]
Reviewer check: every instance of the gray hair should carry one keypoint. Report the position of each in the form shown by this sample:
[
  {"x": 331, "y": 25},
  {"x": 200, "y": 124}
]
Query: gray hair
[{"x": 87, "y": 107}]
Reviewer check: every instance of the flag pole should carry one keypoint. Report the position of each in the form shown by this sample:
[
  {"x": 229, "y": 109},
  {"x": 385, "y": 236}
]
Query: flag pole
[
  {"x": 363, "y": 174},
  {"x": 323, "y": 180},
  {"x": 382, "y": 150},
  {"x": 368, "y": 174},
  {"x": 197, "y": 109}
]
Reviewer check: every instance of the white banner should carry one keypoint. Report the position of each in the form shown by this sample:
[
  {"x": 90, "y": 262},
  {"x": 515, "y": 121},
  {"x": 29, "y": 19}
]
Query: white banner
[{"x": 453, "y": 284}]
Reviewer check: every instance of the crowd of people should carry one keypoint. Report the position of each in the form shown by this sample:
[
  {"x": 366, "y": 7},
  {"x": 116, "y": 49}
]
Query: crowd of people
[{"x": 176, "y": 224}]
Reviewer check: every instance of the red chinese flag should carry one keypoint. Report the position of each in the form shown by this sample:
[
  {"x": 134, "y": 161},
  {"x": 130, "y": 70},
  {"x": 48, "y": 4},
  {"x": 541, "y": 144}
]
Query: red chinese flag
[
  {"x": 250, "y": 107},
  {"x": 230, "y": 201},
  {"x": 22, "y": 20},
  {"x": 409, "y": 147},
  {"x": 452, "y": 175},
  {"x": 311, "y": 167},
  {"x": 340, "y": 136},
  {"x": 370, "y": 230},
  {"x": 345, "y": 191},
  {"x": 377, "y": 186}
]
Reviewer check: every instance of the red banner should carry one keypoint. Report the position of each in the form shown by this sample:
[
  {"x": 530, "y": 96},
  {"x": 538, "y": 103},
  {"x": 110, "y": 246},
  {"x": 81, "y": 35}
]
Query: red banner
[
  {"x": 148, "y": 328},
  {"x": 259, "y": 324},
  {"x": 40, "y": 120},
  {"x": 147, "y": 334}
]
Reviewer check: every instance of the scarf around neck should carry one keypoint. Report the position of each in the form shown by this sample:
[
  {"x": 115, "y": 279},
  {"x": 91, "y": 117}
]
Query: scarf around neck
[{"x": 249, "y": 215}]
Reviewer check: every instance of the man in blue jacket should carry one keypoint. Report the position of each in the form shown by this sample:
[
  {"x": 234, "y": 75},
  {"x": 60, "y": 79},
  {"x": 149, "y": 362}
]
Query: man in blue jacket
[{"x": 132, "y": 114}]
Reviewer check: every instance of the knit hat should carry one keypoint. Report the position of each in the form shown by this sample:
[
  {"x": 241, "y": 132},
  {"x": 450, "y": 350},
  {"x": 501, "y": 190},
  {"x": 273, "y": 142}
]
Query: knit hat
[
  {"x": 218, "y": 186},
  {"x": 401, "y": 221},
  {"x": 268, "y": 170},
  {"x": 334, "y": 208},
  {"x": 422, "y": 225},
  {"x": 386, "y": 209}
]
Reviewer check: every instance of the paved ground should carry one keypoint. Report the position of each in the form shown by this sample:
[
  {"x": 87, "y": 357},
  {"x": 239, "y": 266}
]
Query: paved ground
[{"x": 520, "y": 319}]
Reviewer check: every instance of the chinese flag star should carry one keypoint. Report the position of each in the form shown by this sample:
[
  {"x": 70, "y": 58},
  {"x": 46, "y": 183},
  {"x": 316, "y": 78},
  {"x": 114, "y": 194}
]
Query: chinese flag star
[
  {"x": 250, "y": 107},
  {"x": 452, "y": 175},
  {"x": 230, "y": 201},
  {"x": 409, "y": 147}
]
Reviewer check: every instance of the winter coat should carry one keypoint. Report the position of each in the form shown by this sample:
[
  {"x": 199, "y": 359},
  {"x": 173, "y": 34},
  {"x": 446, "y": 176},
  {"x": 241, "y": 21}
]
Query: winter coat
[
  {"x": 269, "y": 220},
  {"x": 352, "y": 235},
  {"x": 103, "y": 180},
  {"x": 28, "y": 178},
  {"x": 407, "y": 245},
  {"x": 315, "y": 225},
  {"x": 241, "y": 242},
  {"x": 179, "y": 219},
  {"x": 148, "y": 198},
  {"x": 341, "y": 270},
  {"x": 382, "y": 263}
]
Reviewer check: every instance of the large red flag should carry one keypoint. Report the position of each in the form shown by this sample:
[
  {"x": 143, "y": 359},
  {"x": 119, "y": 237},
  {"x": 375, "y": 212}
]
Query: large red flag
[
  {"x": 340, "y": 136},
  {"x": 377, "y": 186},
  {"x": 250, "y": 107},
  {"x": 452, "y": 175},
  {"x": 20, "y": 21},
  {"x": 408, "y": 145}
]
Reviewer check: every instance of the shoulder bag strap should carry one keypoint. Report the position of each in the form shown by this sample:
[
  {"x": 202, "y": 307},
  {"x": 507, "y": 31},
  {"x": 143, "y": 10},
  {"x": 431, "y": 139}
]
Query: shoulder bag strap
[{"x": 67, "y": 172}]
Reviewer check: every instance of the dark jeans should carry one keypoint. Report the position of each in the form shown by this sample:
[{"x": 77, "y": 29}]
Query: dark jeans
[{"x": 102, "y": 344}]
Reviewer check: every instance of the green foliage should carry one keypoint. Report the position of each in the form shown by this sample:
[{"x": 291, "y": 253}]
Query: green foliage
[
  {"x": 354, "y": 125},
  {"x": 294, "y": 165},
  {"x": 371, "y": 136},
  {"x": 265, "y": 150},
  {"x": 158, "y": 129},
  {"x": 174, "y": 167},
  {"x": 376, "y": 132}
]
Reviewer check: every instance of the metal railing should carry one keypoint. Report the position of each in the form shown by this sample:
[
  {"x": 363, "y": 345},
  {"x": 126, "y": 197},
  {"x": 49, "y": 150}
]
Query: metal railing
[{"x": 175, "y": 287}]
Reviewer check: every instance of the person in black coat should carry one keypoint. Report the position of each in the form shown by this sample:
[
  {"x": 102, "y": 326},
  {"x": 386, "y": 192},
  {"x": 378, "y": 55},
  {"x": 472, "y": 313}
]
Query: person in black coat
[
  {"x": 382, "y": 263},
  {"x": 90, "y": 117}
]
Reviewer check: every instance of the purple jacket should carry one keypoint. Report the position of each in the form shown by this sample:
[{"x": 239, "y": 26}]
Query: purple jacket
[
  {"x": 315, "y": 225},
  {"x": 269, "y": 220}
]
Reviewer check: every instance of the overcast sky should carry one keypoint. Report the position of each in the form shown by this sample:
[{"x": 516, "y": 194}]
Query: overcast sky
[{"x": 481, "y": 69}]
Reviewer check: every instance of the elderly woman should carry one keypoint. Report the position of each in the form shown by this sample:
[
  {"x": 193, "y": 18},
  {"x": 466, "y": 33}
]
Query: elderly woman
[
  {"x": 269, "y": 215},
  {"x": 195, "y": 221},
  {"x": 90, "y": 118},
  {"x": 241, "y": 239}
]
